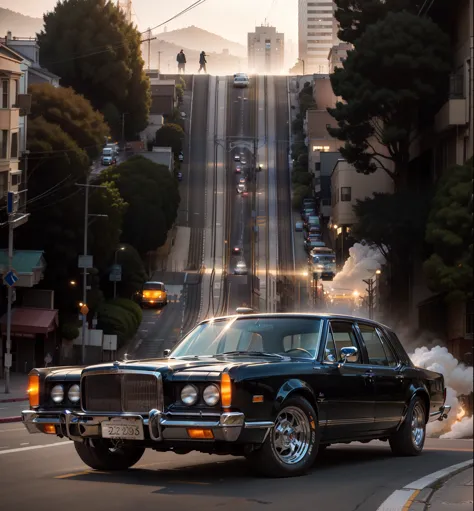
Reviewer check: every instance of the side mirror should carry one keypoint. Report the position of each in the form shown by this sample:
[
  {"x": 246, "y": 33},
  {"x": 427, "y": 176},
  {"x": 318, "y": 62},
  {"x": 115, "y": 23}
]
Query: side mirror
[
  {"x": 166, "y": 353},
  {"x": 346, "y": 353}
]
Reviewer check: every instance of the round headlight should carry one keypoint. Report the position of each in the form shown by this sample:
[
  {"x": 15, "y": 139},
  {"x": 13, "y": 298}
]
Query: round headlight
[
  {"x": 189, "y": 395},
  {"x": 211, "y": 395},
  {"x": 74, "y": 393},
  {"x": 57, "y": 393}
]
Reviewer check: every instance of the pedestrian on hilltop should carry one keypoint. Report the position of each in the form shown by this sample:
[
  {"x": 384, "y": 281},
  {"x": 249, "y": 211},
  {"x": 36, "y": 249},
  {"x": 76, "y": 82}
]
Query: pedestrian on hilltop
[
  {"x": 181, "y": 59},
  {"x": 202, "y": 62}
]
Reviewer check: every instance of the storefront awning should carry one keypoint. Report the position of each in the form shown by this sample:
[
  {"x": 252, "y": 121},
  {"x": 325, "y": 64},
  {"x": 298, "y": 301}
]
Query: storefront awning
[{"x": 31, "y": 321}]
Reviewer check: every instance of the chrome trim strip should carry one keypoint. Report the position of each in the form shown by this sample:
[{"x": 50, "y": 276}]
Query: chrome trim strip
[
  {"x": 188, "y": 424},
  {"x": 441, "y": 414},
  {"x": 259, "y": 425}
]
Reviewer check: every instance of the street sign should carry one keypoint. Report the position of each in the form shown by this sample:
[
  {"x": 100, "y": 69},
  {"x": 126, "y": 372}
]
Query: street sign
[
  {"x": 8, "y": 360},
  {"x": 85, "y": 262},
  {"x": 116, "y": 273},
  {"x": 10, "y": 278}
]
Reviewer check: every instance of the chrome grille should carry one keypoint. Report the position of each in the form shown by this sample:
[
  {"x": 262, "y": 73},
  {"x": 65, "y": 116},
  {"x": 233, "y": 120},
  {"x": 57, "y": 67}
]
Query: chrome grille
[{"x": 130, "y": 392}]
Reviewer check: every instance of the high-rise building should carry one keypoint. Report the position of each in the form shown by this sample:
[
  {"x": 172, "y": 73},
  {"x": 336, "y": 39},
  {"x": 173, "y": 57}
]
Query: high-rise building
[
  {"x": 266, "y": 50},
  {"x": 317, "y": 33}
]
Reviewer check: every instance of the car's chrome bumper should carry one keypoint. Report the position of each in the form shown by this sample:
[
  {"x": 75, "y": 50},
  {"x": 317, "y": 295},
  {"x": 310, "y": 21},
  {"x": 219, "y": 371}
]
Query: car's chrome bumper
[
  {"x": 161, "y": 426},
  {"x": 441, "y": 414}
]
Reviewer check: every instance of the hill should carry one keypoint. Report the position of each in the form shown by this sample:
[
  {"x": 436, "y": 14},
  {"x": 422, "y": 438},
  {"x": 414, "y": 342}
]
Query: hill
[
  {"x": 18, "y": 24},
  {"x": 222, "y": 63},
  {"x": 197, "y": 39}
]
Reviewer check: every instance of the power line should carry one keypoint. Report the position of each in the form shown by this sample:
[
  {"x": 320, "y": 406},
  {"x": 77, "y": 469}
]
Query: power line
[{"x": 108, "y": 48}]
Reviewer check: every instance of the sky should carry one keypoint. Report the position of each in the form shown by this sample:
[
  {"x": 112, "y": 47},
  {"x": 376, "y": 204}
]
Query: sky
[{"x": 231, "y": 19}]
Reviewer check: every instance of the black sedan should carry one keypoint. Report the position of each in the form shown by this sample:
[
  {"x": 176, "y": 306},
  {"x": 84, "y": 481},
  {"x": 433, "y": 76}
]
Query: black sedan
[{"x": 275, "y": 388}]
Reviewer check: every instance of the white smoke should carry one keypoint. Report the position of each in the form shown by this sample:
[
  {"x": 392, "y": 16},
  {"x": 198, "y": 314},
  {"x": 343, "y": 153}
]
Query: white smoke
[
  {"x": 458, "y": 379},
  {"x": 361, "y": 264}
]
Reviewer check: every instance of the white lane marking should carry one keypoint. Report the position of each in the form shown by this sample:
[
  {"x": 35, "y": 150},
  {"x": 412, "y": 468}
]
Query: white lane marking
[
  {"x": 32, "y": 447},
  {"x": 399, "y": 499},
  {"x": 25, "y": 443}
]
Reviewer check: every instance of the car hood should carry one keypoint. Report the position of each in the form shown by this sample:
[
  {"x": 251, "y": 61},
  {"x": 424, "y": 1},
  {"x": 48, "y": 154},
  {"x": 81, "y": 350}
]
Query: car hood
[
  {"x": 188, "y": 368},
  {"x": 62, "y": 373}
]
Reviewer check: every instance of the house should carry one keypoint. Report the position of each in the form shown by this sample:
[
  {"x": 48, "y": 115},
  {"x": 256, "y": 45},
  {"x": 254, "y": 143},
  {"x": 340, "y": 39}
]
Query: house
[
  {"x": 337, "y": 55},
  {"x": 164, "y": 99},
  {"x": 10, "y": 135},
  {"x": 447, "y": 141},
  {"x": 161, "y": 155},
  {"x": 348, "y": 186}
]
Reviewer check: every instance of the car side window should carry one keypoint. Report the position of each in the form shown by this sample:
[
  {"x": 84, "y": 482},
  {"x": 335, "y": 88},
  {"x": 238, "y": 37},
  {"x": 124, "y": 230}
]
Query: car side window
[
  {"x": 343, "y": 336},
  {"x": 374, "y": 346},
  {"x": 391, "y": 357}
]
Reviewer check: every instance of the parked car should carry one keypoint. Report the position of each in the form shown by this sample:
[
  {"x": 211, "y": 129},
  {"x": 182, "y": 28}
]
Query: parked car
[
  {"x": 310, "y": 244},
  {"x": 236, "y": 157},
  {"x": 298, "y": 226},
  {"x": 236, "y": 250},
  {"x": 241, "y": 80},
  {"x": 238, "y": 169},
  {"x": 307, "y": 212},
  {"x": 316, "y": 236},
  {"x": 240, "y": 268},
  {"x": 275, "y": 388}
]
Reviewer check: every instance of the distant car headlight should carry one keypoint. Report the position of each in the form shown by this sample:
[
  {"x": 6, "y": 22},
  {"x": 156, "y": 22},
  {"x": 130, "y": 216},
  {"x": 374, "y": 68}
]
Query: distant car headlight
[
  {"x": 57, "y": 393},
  {"x": 189, "y": 395},
  {"x": 211, "y": 395},
  {"x": 74, "y": 393}
]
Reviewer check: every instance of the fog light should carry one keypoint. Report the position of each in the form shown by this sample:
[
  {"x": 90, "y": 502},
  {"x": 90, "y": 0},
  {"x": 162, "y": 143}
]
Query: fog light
[
  {"x": 201, "y": 434},
  {"x": 49, "y": 429}
]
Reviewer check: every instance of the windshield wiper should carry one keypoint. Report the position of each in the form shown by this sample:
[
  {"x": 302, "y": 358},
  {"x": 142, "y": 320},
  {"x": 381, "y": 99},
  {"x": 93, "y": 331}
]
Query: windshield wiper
[{"x": 253, "y": 353}]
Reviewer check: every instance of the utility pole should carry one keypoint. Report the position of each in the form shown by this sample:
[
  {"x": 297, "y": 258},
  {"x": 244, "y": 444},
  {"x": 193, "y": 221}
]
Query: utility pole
[
  {"x": 123, "y": 128},
  {"x": 148, "y": 40},
  {"x": 159, "y": 63},
  {"x": 10, "y": 277},
  {"x": 85, "y": 263}
]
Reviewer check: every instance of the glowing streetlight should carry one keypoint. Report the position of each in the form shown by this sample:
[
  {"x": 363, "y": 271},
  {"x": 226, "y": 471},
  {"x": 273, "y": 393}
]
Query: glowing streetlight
[
  {"x": 378, "y": 272},
  {"x": 355, "y": 294},
  {"x": 72, "y": 282}
]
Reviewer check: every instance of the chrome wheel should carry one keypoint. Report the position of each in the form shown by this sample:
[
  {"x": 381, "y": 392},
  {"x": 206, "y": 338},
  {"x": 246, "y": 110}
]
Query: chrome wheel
[
  {"x": 418, "y": 425},
  {"x": 291, "y": 435}
]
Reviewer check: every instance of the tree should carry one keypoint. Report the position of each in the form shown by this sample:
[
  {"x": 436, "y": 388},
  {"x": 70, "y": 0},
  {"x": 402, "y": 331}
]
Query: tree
[
  {"x": 120, "y": 317},
  {"x": 303, "y": 160},
  {"x": 133, "y": 273},
  {"x": 92, "y": 47},
  {"x": 449, "y": 231},
  {"x": 297, "y": 125},
  {"x": 170, "y": 135},
  {"x": 394, "y": 223},
  {"x": 152, "y": 195},
  {"x": 72, "y": 113},
  {"x": 354, "y": 16},
  {"x": 396, "y": 72}
]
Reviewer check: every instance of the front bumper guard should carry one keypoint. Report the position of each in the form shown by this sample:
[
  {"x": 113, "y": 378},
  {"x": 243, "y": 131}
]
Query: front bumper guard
[
  {"x": 161, "y": 426},
  {"x": 441, "y": 414}
]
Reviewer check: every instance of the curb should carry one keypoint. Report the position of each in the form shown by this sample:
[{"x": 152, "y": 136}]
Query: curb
[
  {"x": 6, "y": 420},
  {"x": 14, "y": 400},
  {"x": 402, "y": 500}
]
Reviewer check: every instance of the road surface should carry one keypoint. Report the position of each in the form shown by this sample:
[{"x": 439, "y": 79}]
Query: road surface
[{"x": 38, "y": 472}]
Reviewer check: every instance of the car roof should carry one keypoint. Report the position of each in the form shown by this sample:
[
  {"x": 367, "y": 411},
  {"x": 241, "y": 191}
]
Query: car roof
[{"x": 302, "y": 315}]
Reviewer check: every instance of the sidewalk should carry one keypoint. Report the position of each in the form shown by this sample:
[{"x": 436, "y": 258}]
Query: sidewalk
[
  {"x": 18, "y": 388},
  {"x": 454, "y": 494}
]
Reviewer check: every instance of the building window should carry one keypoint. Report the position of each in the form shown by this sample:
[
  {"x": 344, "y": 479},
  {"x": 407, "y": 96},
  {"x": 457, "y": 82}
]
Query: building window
[
  {"x": 14, "y": 146},
  {"x": 317, "y": 166},
  {"x": 16, "y": 179},
  {"x": 5, "y": 103},
  {"x": 322, "y": 148},
  {"x": 346, "y": 195},
  {"x": 16, "y": 91},
  {"x": 3, "y": 144}
]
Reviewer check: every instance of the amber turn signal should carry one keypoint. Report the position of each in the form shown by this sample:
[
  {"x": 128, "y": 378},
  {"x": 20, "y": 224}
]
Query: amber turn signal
[
  {"x": 50, "y": 429},
  {"x": 33, "y": 389},
  {"x": 226, "y": 390},
  {"x": 200, "y": 434}
]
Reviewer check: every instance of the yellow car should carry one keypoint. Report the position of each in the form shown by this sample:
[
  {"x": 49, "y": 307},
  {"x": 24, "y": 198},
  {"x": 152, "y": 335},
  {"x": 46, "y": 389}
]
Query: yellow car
[{"x": 154, "y": 293}]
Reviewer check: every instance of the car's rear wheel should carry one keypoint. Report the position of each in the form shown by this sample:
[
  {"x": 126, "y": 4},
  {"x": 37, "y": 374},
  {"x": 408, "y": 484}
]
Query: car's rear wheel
[
  {"x": 409, "y": 440},
  {"x": 102, "y": 455},
  {"x": 292, "y": 444}
]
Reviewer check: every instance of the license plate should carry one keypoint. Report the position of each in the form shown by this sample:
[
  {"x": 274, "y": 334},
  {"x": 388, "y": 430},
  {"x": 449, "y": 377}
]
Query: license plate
[{"x": 128, "y": 429}]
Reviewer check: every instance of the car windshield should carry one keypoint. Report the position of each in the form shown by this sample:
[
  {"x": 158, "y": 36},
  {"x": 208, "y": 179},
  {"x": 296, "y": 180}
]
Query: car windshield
[
  {"x": 298, "y": 337},
  {"x": 153, "y": 286}
]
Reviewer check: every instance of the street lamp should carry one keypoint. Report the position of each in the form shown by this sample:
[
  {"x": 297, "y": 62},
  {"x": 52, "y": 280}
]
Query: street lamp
[
  {"x": 371, "y": 290},
  {"x": 115, "y": 263}
]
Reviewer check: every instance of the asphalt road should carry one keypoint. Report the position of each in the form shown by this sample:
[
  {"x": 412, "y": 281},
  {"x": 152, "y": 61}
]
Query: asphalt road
[
  {"x": 37, "y": 472},
  {"x": 240, "y": 123}
]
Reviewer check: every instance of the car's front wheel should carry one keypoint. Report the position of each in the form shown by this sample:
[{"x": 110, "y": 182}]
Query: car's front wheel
[
  {"x": 102, "y": 455},
  {"x": 409, "y": 439},
  {"x": 292, "y": 444}
]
